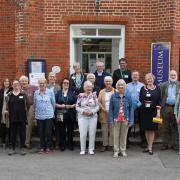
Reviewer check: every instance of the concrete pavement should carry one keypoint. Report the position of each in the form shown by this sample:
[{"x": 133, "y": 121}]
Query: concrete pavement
[{"x": 102, "y": 166}]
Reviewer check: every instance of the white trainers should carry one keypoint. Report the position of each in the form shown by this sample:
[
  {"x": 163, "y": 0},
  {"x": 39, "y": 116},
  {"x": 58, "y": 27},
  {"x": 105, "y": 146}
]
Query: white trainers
[
  {"x": 179, "y": 152},
  {"x": 116, "y": 155},
  {"x": 82, "y": 153},
  {"x": 91, "y": 152},
  {"x": 124, "y": 154}
]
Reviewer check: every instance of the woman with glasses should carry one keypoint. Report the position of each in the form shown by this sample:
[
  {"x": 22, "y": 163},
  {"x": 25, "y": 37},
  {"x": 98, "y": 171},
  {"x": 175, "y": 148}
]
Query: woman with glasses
[
  {"x": 17, "y": 108},
  {"x": 66, "y": 114}
]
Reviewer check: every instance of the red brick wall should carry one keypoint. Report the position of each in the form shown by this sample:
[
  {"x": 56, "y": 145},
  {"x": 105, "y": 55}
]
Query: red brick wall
[
  {"x": 7, "y": 40},
  {"x": 42, "y": 29}
]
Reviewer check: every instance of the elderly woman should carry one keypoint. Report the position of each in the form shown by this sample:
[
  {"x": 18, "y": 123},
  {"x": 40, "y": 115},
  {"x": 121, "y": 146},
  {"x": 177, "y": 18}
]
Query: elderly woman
[
  {"x": 92, "y": 78},
  {"x": 44, "y": 102},
  {"x": 17, "y": 106},
  {"x": 119, "y": 116},
  {"x": 65, "y": 114},
  {"x": 4, "y": 129},
  {"x": 87, "y": 107},
  {"x": 150, "y": 98},
  {"x": 77, "y": 79},
  {"x": 177, "y": 114},
  {"x": 104, "y": 100}
]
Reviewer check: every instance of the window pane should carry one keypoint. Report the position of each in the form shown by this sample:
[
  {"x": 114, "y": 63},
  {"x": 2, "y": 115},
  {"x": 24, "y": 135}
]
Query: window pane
[
  {"x": 84, "y": 32},
  {"x": 109, "y": 32},
  {"x": 97, "y": 45}
]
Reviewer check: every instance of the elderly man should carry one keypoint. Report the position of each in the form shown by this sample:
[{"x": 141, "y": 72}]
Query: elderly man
[
  {"x": 122, "y": 72},
  {"x": 169, "y": 91},
  {"x": 133, "y": 88},
  {"x": 55, "y": 88},
  {"x": 100, "y": 74},
  {"x": 29, "y": 90}
]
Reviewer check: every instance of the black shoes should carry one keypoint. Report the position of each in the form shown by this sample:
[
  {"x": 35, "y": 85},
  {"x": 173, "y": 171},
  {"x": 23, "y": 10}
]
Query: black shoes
[{"x": 150, "y": 152}]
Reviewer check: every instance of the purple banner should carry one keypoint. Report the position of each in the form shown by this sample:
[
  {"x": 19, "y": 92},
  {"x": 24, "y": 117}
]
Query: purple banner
[{"x": 160, "y": 61}]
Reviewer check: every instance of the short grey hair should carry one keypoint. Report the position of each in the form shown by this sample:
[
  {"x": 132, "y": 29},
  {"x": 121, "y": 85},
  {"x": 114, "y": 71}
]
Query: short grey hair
[
  {"x": 76, "y": 64},
  {"x": 23, "y": 77},
  {"x": 119, "y": 82},
  {"x": 87, "y": 83},
  {"x": 108, "y": 78},
  {"x": 99, "y": 62},
  {"x": 91, "y": 74}
]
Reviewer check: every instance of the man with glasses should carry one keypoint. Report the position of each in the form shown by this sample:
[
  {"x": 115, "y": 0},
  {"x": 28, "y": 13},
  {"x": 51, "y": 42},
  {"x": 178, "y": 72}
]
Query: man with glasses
[{"x": 122, "y": 72}]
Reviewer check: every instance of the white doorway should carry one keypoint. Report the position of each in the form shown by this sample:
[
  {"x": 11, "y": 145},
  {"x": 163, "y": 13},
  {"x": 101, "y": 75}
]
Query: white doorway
[{"x": 89, "y": 43}]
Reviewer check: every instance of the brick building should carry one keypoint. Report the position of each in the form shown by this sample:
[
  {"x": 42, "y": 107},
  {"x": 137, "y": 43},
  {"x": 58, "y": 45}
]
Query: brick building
[{"x": 64, "y": 31}]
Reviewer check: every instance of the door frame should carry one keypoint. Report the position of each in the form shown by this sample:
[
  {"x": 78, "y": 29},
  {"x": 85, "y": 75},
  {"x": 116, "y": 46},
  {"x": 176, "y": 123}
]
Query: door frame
[{"x": 121, "y": 38}]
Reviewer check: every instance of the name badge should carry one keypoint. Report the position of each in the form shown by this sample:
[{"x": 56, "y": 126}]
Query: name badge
[
  {"x": 126, "y": 76},
  {"x": 20, "y": 97},
  {"x": 148, "y": 104},
  {"x": 138, "y": 90}
]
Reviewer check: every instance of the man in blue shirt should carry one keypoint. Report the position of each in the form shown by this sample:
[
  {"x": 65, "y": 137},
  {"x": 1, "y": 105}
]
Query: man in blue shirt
[
  {"x": 169, "y": 91},
  {"x": 133, "y": 89}
]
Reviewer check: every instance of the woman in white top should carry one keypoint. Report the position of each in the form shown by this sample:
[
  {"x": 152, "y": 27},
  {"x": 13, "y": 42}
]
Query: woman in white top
[{"x": 87, "y": 107}]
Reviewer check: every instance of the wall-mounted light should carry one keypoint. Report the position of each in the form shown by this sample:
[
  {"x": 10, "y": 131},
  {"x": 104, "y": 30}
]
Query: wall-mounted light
[
  {"x": 98, "y": 2},
  {"x": 19, "y": 3}
]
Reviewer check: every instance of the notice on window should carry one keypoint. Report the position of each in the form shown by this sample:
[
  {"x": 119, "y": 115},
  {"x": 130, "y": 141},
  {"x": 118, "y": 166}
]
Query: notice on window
[
  {"x": 92, "y": 65},
  {"x": 36, "y": 67},
  {"x": 34, "y": 77}
]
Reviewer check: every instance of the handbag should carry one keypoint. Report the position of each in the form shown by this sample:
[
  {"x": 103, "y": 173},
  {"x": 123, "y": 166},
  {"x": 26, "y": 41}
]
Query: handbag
[
  {"x": 59, "y": 115},
  {"x": 157, "y": 120}
]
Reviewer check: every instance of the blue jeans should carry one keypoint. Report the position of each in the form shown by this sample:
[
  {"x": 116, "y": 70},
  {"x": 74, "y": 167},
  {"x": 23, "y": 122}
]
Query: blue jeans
[{"x": 45, "y": 133}]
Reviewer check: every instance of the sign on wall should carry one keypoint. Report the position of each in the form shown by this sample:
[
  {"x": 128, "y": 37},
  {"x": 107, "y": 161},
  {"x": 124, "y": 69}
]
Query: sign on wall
[
  {"x": 36, "y": 70},
  {"x": 160, "y": 61}
]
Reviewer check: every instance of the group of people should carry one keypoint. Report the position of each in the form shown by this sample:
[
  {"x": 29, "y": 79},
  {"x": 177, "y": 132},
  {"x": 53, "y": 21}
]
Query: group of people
[{"x": 116, "y": 102}]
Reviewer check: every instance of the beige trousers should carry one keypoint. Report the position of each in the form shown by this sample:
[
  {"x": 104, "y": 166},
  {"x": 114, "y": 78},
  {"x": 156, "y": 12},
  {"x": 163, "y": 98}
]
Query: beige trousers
[
  {"x": 120, "y": 136},
  {"x": 30, "y": 119},
  {"x": 107, "y": 134}
]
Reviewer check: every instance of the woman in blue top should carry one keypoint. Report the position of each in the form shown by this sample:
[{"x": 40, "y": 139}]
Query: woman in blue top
[
  {"x": 44, "y": 102},
  {"x": 119, "y": 115}
]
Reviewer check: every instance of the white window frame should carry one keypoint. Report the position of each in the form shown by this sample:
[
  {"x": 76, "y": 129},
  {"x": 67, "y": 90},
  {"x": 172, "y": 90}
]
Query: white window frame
[{"x": 121, "y": 38}]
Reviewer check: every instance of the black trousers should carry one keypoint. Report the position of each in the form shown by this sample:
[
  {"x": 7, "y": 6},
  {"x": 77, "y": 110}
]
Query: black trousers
[
  {"x": 15, "y": 126},
  {"x": 137, "y": 119},
  {"x": 4, "y": 132},
  {"x": 66, "y": 132},
  {"x": 141, "y": 130},
  {"x": 45, "y": 133}
]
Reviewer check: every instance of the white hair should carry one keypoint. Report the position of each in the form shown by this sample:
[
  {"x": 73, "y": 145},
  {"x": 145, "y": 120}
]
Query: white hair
[
  {"x": 76, "y": 64},
  {"x": 90, "y": 74},
  {"x": 23, "y": 77},
  {"x": 87, "y": 83},
  {"x": 99, "y": 62},
  {"x": 121, "y": 81},
  {"x": 108, "y": 78}
]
